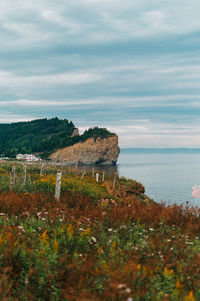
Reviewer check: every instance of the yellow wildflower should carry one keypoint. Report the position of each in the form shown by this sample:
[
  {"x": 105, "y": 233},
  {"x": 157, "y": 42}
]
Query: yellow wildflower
[
  {"x": 178, "y": 284},
  {"x": 144, "y": 270},
  {"x": 87, "y": 231},
  {"x": 190, "y": 297},
  {"x": 114, "y": 244},
  {"x": 55, "y": 246},
  {"x": 100, "y": 250},
  {"x": 44, "y": 237},
  {"x": 41, "y": 252},
  {"x": 167, "y": 272},
  {"x": 70, "y": 229}
]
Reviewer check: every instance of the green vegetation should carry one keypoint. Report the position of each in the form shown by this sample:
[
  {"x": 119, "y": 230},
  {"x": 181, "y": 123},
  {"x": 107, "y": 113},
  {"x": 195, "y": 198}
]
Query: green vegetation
[
  {"x": 95, "y": 243},
  {"x": 42, "y": 136}
]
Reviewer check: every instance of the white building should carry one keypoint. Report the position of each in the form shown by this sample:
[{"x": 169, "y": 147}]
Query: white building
[{"x": 27, "y": 157}]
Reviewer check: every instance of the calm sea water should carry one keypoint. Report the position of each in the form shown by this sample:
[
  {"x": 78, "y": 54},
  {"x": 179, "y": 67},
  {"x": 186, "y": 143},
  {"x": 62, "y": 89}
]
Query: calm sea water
[{"x": 167, "y": 175}]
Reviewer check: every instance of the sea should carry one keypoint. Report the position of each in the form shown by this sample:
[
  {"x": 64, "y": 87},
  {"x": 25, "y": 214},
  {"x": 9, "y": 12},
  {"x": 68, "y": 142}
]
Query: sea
[{"x": 167, "y": 174}]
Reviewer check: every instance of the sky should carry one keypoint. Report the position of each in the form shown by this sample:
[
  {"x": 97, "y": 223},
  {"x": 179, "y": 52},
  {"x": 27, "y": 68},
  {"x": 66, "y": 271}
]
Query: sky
[{"x": 130, "y": 66}]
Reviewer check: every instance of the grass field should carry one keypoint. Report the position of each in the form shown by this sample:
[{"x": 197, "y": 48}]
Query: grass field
[{"x": 95, "y": 243}]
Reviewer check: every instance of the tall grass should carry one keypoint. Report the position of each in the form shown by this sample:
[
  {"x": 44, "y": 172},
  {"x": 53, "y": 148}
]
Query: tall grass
[{"x": 91, "y": 245}]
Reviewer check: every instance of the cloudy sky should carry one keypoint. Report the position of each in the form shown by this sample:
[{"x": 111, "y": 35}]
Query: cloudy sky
[{"x": 130, "y": 66}]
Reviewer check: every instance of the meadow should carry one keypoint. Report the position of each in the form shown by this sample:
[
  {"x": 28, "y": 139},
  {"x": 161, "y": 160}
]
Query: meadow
[{"x": 99, "y": 241}]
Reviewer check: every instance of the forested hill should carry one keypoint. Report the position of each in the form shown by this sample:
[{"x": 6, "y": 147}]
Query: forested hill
[{"x": 42, "y": 136}]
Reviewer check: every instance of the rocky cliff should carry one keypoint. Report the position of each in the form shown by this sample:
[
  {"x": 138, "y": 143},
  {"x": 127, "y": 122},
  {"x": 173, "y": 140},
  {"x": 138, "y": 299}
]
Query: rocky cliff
[{"x": 92, "y": 151}]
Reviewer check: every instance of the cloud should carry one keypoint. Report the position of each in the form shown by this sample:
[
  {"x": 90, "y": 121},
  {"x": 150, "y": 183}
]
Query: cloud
[{"x": 132, "y": 66}]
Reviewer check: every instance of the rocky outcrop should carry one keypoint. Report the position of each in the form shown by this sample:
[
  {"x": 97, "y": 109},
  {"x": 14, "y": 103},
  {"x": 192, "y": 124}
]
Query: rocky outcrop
[
  {"x": 91, "y": 152},
  {"x": 75, "y": 132}
]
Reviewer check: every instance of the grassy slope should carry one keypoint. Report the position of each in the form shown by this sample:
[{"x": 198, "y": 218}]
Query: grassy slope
[{"x": 92, "y": 245}]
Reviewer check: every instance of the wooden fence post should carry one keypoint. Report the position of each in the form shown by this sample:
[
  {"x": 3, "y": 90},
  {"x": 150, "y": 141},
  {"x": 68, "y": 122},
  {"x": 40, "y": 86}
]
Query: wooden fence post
[
  {"x": 12, "y": 178},
  {"x": 24, "y": 175},
  {"x": 97, "y": 177},
  {"x": 58, "y": 185},
  {"x": 93, "y": 172},
  {"x": 114, "y": 181},
  {"x": 103, "y": 176},
  {"x": 83, "y": 174},
  {"x": 42, "y": 170}
]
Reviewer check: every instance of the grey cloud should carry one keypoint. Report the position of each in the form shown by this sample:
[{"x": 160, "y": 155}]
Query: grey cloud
[{"x": 132, "y": 66}]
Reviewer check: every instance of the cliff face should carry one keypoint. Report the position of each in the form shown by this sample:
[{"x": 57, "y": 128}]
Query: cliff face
[
  {"x": 101, "y": 151},
  {"x": 75, "y": 132}
]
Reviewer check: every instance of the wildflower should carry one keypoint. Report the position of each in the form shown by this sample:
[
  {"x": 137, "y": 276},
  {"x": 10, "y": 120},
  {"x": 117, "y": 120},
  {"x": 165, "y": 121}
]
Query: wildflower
[
  {"x": 88, "y": 230},
  {"x": 100, "y": 250},
  {"x": 167, "y": 272},
  {"x": 21, "y": 228},
  {"x": 94, "y": 239},
  {"x": 114, "y": 244},
  {"x": 55, "y": 246},
  {"x": 178, "y": 284},
  {"x": 70, "y": 229},
  {"x": 44, "y": 236},
  {"x": 41, "y": 252},
  {"x": 190, "y": 297},
  {"x": 110, "y": 229},
  {"x": 121, "y": 286}
]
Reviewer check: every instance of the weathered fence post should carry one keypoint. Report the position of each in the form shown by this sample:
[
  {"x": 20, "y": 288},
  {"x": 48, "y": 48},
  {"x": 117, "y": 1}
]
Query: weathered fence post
[
  {"x": 103, "y": 176},
  {"x": 93, "y": 172},
  {"x": 58, "y": 185},
  {"x": 97, "y": 177},
  {"x": 12, "y": 178},
  {"x": 114, "y": 181},
  {"x": 24, "y": 175},
  {"x": 42, "y": 170},
  {"x": 83, "y": 174}
]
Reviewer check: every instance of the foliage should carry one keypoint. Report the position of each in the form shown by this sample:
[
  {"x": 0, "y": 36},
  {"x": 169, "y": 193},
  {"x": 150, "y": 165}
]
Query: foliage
[
  {"x": 94, "y": 246},
  {"x": 37, "y": 136},
  {"x": 42, "y": 136}
]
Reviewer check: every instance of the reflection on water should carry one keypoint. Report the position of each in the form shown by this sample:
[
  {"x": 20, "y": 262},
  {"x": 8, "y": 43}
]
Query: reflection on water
[{"x": 109, "y": 170}]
